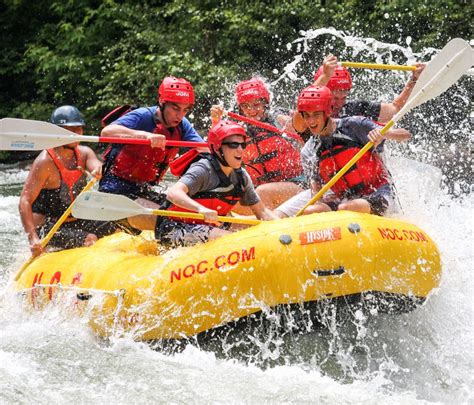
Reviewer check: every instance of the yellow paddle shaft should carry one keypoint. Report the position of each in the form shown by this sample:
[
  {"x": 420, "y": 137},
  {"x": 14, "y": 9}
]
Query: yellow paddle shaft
[
  {"x": 377, "y": 66},
  {"x": 343, "y": 171},
  {"x": 195, "y": 215},
  {"x": 55, "y": 227},
  {"x": 66, "y": 214}
]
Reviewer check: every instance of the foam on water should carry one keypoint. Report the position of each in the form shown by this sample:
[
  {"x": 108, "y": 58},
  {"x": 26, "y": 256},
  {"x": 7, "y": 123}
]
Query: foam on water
[
  {"x": 49, "y": 362},
  {"x": 420, "y": 357}
]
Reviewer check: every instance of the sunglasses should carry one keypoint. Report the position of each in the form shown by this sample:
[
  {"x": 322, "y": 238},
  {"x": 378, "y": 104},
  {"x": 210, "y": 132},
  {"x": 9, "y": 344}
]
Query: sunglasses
[{"x": 235, "y": 145}]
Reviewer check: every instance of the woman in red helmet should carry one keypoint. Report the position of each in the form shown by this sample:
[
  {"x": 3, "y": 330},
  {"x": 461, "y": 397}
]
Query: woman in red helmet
[
  {"x": 131, "y": 170},
  {"x": 211, "y": 185},
  {"x": 339, "y": 81},
  {"x": 272, "y": 160},
  {"x": 333, "y": 142}
]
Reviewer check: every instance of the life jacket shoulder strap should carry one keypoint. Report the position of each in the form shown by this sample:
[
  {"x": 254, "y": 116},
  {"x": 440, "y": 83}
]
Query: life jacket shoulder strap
[
  {"x": 223, "y": 179},
  {"x": 180, "y": 165},
  {"x": 336, "y": 145},
  {"x": 117, "y": 112},
  {"x": 63, "y": 170}
]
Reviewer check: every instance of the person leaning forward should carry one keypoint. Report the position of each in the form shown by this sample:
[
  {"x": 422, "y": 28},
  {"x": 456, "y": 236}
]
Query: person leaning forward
[
  {"x": 132, "y": 170},
  {"x": 212, "y": 185},
  {"x": 333, "y": 142},
  {"x": 56, "y": 177}
]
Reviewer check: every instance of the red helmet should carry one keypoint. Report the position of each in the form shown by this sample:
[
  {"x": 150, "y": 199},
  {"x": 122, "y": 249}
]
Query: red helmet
[
  {"x": 340, "y": 79},
  {"x": 222, "y": 130},
  {"x": 176, "y": 90},
  {"x": 315, "y": 98},
  {"x": 250, "y": 90}
]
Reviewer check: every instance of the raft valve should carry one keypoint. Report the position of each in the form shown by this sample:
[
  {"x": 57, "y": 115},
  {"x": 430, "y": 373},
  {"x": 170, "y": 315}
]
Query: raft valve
[
  {"x": 354, "y": 228},
  {"x": 285, "y": 239}
]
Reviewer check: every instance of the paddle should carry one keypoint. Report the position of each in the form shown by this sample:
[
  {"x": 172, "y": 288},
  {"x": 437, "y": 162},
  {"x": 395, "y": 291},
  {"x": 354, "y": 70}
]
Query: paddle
[
  {"x": 111, "y": 207},
  {"x": 26, "y": 135},
  {"x": 376, "y": 66},
  {"x": 441, "y": 73},
  {"x": 264, "y": 125},
  {"x": 56, "y": 226}
]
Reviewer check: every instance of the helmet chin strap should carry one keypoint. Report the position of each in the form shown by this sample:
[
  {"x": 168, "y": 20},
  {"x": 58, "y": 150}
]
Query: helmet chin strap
[
  {"x": 325, "y": 125},
  {"x": 162, "y": 109},
  {"x": 220, "y": 157}
]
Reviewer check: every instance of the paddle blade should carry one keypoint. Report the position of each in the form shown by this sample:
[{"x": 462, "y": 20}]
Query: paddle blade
[
  {"x": 99, "y": 206},
  {"x": 27, "y": 135},
  {"x": 445, "y": 69}
]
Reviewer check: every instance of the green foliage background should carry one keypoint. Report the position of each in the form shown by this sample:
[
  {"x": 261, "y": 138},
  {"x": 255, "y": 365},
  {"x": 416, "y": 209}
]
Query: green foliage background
[{"x": 100, "y": 54}]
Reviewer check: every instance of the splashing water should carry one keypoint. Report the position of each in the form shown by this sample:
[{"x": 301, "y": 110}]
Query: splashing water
[{"x": 421, "y": 357}]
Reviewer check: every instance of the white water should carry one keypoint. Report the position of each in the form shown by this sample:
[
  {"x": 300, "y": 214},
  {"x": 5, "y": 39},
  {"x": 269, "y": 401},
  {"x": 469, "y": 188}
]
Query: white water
[{"x": 422, "y": 357}]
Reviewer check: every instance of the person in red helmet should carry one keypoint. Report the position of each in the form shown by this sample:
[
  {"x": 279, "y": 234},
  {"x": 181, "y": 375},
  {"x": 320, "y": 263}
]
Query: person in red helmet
[
  {"x": 339, "y": 81},
  {"x": 253, "y": 98},
  {"x": 211, "y": 185},
  {"x": 132, "y": 170},
  {"x": 272, "y": 160},
  {"x": 333, "y": 142}
]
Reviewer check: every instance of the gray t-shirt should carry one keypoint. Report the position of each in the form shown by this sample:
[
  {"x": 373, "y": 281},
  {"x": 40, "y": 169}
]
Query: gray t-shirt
[
  {"x": 352, "y": 128},
  {"x": 201, "y": 176}
]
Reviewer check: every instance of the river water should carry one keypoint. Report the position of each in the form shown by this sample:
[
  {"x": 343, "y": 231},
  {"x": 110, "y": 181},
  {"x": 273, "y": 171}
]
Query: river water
[{"x": 417, "y": 358}]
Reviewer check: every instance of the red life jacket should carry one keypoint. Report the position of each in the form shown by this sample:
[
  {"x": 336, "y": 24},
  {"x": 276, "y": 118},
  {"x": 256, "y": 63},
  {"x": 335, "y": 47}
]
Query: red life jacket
[
  {"x": 221, "y": 198},
  {"x": 142, "y": 163},
  {"x": 72, "y": 180},
  {"x": 363, "y": 178},
  {"x": 179, "y": 165},
  {"x": 270, "y": 158}
]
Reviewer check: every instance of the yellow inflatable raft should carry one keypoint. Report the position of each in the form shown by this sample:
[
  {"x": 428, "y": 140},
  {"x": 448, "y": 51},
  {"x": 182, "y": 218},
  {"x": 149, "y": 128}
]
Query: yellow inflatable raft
[{"x": 124, "y": 286}]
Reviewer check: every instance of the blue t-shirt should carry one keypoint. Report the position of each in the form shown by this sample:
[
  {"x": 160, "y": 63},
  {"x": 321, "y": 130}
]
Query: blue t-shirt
[{"x": 142, "y": 119}]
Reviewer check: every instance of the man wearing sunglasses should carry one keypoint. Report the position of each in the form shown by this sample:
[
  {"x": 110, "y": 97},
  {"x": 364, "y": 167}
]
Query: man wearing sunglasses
[
  {"x": 211, "y": 186},
  {"x": 132, "y": 170}
]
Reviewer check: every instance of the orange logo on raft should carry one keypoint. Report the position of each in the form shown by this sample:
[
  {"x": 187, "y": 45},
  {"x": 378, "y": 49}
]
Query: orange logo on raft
[
  {"x": 220, "y": 261},
  {"x": 55, "y": 278},
  {"x": 134, "y": 319},
  {"x": 321, "y": 235},
  {"x": 402, "y": 234}
]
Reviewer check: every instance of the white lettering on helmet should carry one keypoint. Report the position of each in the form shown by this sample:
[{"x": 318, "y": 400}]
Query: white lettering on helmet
[
  {"x": 249, "y": 91},
  {"x": 182, "y": 94}
]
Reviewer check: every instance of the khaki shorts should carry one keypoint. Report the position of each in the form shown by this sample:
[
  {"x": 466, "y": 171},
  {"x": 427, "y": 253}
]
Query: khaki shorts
[
  {"x": 291, "y": 207},
  {"x": 176, "y": 233},
  {"x": 380, "y": 201}
]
